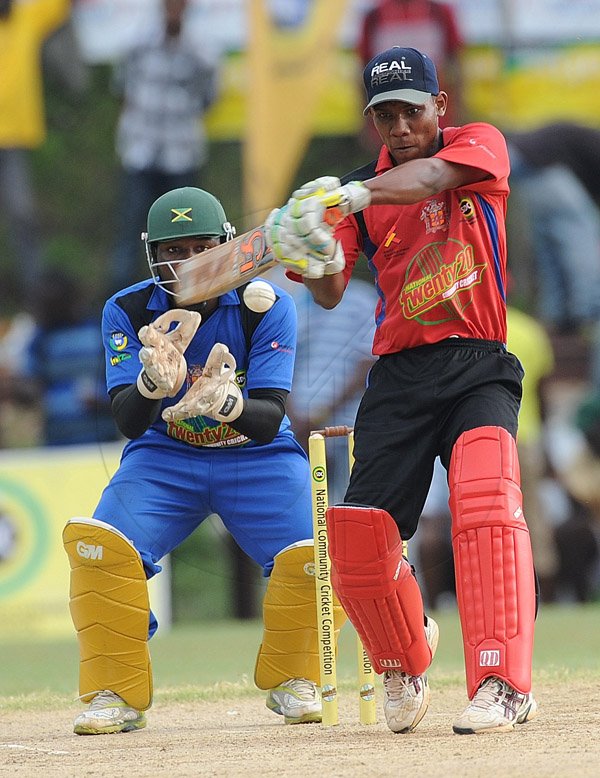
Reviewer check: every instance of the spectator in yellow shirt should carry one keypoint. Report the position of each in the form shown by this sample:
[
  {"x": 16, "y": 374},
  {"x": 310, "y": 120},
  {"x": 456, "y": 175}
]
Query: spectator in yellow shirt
[
  {"x": 528, "y": 340},
  {"x": 24, "y": 25}
]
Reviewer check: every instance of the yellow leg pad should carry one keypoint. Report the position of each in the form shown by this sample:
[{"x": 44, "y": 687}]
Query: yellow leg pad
[
  {"x": 110, "y": 610},
  {"x": 290, "y": 647}
]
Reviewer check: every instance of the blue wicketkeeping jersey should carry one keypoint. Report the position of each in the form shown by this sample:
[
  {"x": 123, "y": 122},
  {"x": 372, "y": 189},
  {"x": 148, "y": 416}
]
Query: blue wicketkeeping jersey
[{"x": 268, "y": 364}]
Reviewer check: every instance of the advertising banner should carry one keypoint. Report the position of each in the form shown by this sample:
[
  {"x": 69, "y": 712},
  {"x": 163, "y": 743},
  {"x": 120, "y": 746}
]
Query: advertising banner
[{"x": 40, "y": 489}]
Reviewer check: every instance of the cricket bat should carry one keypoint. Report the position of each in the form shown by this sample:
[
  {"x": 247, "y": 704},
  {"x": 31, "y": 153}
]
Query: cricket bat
[{"x": 223, "y": 268}]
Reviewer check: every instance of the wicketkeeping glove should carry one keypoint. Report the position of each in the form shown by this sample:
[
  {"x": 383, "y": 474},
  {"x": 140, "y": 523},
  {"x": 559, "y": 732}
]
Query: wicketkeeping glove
[
  {"x": 214, "y": 394},
  {"x": 164, "y": 366}
]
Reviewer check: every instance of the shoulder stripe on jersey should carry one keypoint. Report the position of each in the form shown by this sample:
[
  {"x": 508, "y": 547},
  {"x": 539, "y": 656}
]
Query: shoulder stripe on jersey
[
  {"x": 369, "y": 248},
  {"x": 360, "y": 173},
  {"x": 492, "y": 225},
  {"x": 135, "y": 306}
]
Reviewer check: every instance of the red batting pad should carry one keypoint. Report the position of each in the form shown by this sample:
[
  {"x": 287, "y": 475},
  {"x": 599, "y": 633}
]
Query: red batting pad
[
  {"x": 495, "y": 583},
  {"x": 377, "y": 589}
]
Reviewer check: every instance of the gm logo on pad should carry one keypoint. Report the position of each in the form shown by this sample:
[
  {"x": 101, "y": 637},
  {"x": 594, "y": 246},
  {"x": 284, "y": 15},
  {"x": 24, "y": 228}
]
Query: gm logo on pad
[{"x": 89, "y": 550}]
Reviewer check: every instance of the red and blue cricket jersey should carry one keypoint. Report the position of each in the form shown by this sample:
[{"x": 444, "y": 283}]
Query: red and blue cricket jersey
[{"x": 440, "y": 264}]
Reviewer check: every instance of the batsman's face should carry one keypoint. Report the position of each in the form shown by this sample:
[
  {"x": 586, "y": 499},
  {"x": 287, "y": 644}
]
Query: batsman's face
[
  {"x": 410, "y": 131},
  {"x": 171, "y": 253}
]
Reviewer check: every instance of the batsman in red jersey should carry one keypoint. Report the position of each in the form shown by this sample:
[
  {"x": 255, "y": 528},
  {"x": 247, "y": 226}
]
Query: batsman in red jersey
[{"x": 429, "y": 215}]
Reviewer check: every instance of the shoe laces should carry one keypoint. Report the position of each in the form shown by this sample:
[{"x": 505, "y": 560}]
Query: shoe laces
[
  {"x": 397, "y": 684},
  {"x": 495, "y": 691},
  {"x": 303, "y": 688}
]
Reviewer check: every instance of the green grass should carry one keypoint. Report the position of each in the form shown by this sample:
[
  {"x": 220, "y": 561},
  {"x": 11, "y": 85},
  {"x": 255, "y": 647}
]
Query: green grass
[{"x": 214, "y": 659}]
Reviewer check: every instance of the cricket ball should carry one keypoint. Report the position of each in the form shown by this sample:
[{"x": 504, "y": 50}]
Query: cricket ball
[{"x": 259, "y": 296}]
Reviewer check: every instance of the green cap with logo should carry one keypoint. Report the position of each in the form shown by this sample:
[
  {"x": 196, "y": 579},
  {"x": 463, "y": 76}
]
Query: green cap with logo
[{"x": 184, "y": 212}]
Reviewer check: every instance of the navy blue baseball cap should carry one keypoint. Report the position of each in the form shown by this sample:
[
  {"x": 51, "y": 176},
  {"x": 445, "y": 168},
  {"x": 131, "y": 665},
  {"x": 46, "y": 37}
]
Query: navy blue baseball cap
[{"x": 400, "y": 74}]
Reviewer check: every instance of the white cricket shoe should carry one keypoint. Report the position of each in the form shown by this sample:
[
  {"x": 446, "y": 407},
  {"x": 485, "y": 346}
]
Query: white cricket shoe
[
  {"x": 107, "y": 714},
  {"x": 297, "y": 700},
  {"x": 406, "y": 697},
  {"x": 496, "y": 707}
]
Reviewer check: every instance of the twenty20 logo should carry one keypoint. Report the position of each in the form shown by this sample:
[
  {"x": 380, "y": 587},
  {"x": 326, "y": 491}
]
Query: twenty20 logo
[{"x": 253, "y": 251}]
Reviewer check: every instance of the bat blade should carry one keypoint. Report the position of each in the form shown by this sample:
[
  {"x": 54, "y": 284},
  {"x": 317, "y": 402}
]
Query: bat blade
[{"x": 224, "y": 267}]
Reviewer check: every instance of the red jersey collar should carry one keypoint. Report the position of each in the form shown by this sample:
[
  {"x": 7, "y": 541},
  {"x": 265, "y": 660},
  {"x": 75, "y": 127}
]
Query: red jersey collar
[{"x": 384, "y": 161}]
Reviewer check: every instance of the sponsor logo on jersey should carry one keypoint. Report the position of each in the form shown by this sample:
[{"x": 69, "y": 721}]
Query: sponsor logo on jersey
[
  {"x": 219, "y": 436},
  {"x": 467, "y": 209},
  {"x": 119, "y": 358},
  {"x": 118, "y": 341},
  {"x": 277, "y": 346},
  {"x": 391, "y": 238},
  {"x": 203, "y": 431},
  {"x": 195, "y": 371},
  {"x": 393, "y": 245},
  {"x": 483, "y": 147},
  {"x": 435, "y": 216},
  {"x": 439, "y": 289}
]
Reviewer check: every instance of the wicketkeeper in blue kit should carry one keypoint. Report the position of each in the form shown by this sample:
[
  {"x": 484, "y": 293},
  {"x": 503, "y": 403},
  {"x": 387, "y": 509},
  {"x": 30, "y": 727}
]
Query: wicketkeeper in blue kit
[{"x": 205, "y": 415}]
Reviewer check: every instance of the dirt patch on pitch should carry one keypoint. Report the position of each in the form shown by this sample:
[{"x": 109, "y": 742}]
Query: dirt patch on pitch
[{"x": 234, "y": 738}]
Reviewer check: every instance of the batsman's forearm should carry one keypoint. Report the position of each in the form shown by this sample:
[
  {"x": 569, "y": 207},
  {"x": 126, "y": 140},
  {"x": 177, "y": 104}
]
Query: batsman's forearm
[
  {"x": 132, "y": 412},
  {"x": 408, "y": 183},
  {"x": 326, "y": 291},
  {"x": 418, "y": 179}
]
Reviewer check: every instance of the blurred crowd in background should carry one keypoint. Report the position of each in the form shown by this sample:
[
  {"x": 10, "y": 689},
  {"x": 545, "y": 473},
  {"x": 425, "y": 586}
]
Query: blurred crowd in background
[{"x": 159, "y": 92}]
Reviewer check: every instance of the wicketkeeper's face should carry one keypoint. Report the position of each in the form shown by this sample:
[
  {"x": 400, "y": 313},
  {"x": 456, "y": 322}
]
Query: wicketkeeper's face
[
  {"x": 409, "y": 131},
  {"x": 170, "y": 253}
]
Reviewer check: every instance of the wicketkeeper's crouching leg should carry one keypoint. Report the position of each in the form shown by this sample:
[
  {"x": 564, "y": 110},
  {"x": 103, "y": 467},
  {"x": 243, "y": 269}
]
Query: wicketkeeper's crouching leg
[
  {"x": 288, "y": 658},
  {"x": 495, "y": 581},
  {"x": 111, "y": 612}
]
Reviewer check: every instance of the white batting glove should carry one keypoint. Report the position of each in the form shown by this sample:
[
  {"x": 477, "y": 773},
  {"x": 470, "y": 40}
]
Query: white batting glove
[
  {"x": 164, "y": 367},
  {"x": 289, "y": 249},
  {"x": 214, "y": 394},
  {"x": 318, "y": 186},
  {"x": 335, "y": 201},
  {"x": 337, "y": 263},
  {"x": 311, "y": 218}
]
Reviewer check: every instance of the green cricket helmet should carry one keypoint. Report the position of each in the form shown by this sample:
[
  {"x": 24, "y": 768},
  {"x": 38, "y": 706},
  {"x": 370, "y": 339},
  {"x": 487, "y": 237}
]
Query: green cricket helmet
[{"x": 183, "y": 213}]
